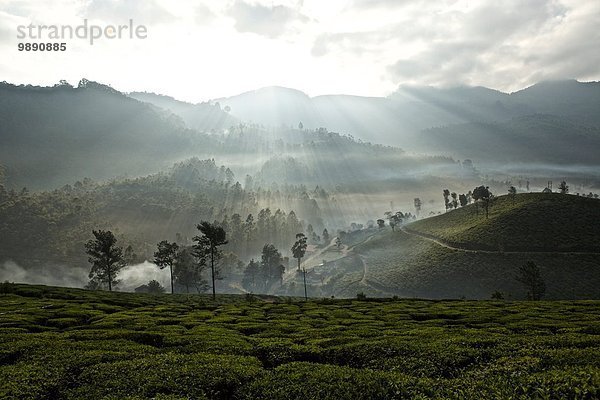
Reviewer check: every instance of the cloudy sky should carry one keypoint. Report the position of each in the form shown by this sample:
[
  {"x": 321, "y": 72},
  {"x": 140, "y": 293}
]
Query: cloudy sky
[{"x": 200, "y": 50}]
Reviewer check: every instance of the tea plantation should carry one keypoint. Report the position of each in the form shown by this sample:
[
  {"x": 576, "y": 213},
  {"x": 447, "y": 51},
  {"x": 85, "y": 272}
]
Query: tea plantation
[
  {"x": 525, "y": 222},
  {"x": 559, "y": 232},
  {"x": 73, "y": 344}
]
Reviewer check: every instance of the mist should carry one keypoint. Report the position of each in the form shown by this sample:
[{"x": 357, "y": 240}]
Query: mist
[
  {"x": 130, "y": 277},
  {"x": 51, "y": 275},
  {"x": 134, "y": 276}
]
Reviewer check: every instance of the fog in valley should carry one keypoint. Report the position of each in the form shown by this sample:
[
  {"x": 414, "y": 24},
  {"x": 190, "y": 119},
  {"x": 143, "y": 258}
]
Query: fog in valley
[
  {"x": 299, "y": 199},
  {"x": 268, "y": 164}
]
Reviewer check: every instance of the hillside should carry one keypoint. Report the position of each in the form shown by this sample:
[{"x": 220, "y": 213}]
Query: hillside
[
  {"x": 51, "y": 136},
  {"x": 75, "y": 344},
  {"x": 556, "y": 140},
  {"x": 527, "y": 222},
  {"x": 44, "y": 232},
  {"x": 203, "y": 117},
  {"x": 398, "y": 263},
  {"x": 542, "y": 228},
  {"x": 462, "y": 122},
  {"x": 399, "y": 118}
]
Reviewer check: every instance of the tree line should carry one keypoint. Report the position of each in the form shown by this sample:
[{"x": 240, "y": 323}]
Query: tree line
[{"x": 187, "y": 264}]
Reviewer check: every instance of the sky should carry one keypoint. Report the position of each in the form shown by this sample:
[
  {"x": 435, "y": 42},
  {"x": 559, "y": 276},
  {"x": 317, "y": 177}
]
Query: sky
[{"x": 200, "y": 50}]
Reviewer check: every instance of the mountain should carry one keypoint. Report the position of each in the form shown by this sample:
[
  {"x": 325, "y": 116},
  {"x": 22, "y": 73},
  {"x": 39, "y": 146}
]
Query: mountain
[
  {"x": 47, "y": 229},
  {"x": 578, "y": 101},
  {"x": 537, "y": 138},
  {"x": 461, "y": 253},
  {"x": 51, "y": 136},
  {"x": 273, "y": 106},
  {"x": 400, "y": 118},
  {"x": 56, "y": 135},
  {"x": 203, "y": 117}
]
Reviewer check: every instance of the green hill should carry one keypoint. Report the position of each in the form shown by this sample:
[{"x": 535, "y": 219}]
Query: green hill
[
  {"x": 525, "y": 222},
  {"x": 558, "y": 232},
  {"x": 58, "y": 343}
]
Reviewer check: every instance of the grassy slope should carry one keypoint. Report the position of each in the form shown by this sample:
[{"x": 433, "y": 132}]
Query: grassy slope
[
  {"x": 529, "y": 222},
  {"x": 411, "y": 266},
  {"x": 72, "y": 344}
]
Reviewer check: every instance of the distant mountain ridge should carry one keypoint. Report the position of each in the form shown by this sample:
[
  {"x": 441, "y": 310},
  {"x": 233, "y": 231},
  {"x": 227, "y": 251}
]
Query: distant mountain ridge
[
  {"x": 204, "y": 117},
  {"x": 53, "y": 136},
  {"x": 401, "y": 118},
  {"x": 50, "y": 136},
  {"x": 443, "y": 106}
]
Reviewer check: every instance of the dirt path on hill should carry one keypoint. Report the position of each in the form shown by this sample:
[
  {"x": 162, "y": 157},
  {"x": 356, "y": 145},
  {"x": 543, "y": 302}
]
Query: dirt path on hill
[
  {"x": 364, "y": 261},
  {"x": 440, "y": 242},
  {"x": 364, "y": 281}
]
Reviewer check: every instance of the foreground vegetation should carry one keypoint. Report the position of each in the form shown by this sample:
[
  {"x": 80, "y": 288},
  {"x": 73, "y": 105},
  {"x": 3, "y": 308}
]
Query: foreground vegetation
[{"x": 73, "y": 344}]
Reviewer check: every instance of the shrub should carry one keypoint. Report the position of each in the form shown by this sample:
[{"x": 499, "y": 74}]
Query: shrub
[
  {"x": 190, "y": 376},
  {"x": 317, "y": 381}
]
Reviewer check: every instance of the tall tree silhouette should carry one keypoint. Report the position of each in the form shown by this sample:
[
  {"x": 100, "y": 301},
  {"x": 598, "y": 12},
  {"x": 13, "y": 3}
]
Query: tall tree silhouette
[
  {"x": 165, "y": 256},
  {"x": 338, "y": 241},
  {"x": 418, "y": 205},
  {"x": 207, "y": 246},
  {"x": 326, "y": 238},
  {"x": 105, "y": 256},
  {"x": 483, "y": 194},
  {"x": 271, "y": 265},
  {"x": 563, "y": 187},
  {"x": 454, "y": 200},
  {"x": 299, "y": 248},
  {"x": 187, "y": 270},
  {"x": 251, "y": 274},
  {"x": 512, "y": 191},
  {"x": 446, "y": 194}
]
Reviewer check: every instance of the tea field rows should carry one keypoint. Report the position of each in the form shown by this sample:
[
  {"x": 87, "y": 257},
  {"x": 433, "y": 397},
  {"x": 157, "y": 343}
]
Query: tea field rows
[{"x": 58, "y": 343}]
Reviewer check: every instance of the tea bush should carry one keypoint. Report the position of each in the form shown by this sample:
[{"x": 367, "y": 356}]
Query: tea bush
[{"x": 74, "y": 344}]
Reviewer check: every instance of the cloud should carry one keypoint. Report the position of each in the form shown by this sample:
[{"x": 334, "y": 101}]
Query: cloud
[
  {"x": 365, "y": 47},
  {"x": 6, "y": 33},
  {"x": 8, "y": 27},
  {"x": 141, "y": 11},
  {"x": 505, "y": 44},
  {"x": 270, "y": 21},
  {"x": 19, "y": 8},
  {"x": 350, "y": 42},
  {"x": 385, "y": 4},
  {"x": 203, "y": 14}
]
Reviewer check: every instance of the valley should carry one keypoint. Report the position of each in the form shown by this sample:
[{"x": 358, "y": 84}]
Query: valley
[{"x": 174, "y": 164}]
